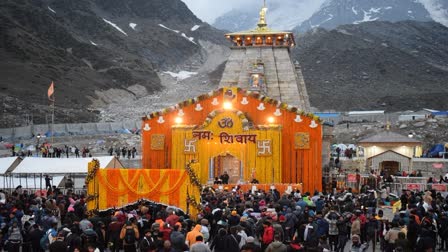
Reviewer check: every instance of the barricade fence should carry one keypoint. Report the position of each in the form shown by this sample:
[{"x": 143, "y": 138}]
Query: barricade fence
[
  {"x": 357, "y": 181},
  {"x": 69, "y": 129}
]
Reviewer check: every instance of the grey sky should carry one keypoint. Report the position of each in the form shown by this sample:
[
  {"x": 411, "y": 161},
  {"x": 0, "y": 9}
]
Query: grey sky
[{"x": 209, "y": 10}]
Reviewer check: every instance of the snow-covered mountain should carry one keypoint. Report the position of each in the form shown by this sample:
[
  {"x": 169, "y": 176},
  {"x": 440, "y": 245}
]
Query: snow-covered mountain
[
  {"x": 438, "y": 9},
  {"x": 339, "y": 12},
  {"x": 281, "y": 15},
  {"x": 302, "y": 15}
]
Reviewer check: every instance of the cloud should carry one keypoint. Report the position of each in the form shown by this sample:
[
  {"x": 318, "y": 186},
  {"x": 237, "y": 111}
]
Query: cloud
[
  {"x": 208, "y": 10},
  {"x": 436, "y": 10}
]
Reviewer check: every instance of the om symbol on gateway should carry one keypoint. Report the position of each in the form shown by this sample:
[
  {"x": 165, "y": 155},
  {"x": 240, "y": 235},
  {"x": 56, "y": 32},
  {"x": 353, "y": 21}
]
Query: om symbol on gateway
[{"x": 225, "y": 123}]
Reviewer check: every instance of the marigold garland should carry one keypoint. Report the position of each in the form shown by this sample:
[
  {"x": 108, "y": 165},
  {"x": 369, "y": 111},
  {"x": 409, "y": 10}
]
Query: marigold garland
[
  {"x": 255, "y": 95},
  {"x": 91, "y": 197},
  {"x": 91, "y": 175},
  {"x": 193, "y": 177}
]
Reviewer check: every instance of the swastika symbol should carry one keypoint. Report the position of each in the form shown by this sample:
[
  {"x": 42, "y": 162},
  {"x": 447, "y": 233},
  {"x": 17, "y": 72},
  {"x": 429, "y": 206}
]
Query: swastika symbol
[
  {"x": 264, "y": 148},
  {"x": 190, "y": 145}
]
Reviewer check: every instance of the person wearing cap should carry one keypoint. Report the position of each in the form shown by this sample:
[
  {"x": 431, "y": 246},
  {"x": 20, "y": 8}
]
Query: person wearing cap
[{"x": 234, "y": 219}]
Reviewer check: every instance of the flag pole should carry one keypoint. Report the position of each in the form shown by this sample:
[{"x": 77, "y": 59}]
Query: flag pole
[
  {"x": 51, "y": 95},
  {"x": 52, "y": 120}
]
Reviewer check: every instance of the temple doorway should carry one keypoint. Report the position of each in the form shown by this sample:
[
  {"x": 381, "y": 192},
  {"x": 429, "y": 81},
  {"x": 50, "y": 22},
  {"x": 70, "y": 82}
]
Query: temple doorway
[
  {"x": 390, "y": 167},
  {"x": 231, "y": 165}
]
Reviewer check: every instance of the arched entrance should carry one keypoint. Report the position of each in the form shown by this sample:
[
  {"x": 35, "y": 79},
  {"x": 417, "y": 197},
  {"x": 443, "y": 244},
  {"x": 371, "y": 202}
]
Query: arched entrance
[
  {"x": 230, "y": 164},
  {"x": 390, "y": 167}
]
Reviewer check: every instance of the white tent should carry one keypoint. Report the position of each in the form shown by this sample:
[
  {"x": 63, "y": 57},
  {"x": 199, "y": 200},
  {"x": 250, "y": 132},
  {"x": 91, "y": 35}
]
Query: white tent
[
  {"x": 28, "y": 182},
  {"x": 7, "y": 164},
  {"x": 38, "y": 165}
]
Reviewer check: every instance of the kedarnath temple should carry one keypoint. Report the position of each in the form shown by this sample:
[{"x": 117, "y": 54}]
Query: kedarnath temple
[{"x": 257, "y": 125}]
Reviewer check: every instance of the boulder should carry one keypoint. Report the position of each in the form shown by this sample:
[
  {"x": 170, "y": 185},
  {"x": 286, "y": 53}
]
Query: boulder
[{"x": 419, "y": 124}]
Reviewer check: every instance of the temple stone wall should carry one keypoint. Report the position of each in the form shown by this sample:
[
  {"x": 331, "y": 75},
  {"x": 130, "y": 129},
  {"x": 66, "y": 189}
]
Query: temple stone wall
[{"x": 282, "y": 80}]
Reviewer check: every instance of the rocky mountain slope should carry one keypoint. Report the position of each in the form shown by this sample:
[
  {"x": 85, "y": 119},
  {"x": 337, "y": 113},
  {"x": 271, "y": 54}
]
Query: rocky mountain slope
[
  {"x": 376, "y": 65},
  {"x": 96, "y": 52}
]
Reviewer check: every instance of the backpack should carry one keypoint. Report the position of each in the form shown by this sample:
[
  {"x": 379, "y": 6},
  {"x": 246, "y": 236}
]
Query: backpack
[
  {"x": 45, "y": 240},
  {"x": 129, "y": 236}
]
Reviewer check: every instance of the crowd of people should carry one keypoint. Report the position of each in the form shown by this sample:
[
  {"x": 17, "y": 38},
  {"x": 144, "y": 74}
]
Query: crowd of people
[
  {"x": 229, "y": 220},
  {"x": 47, "y": 150},
  {"x": 123, "y": 151}
]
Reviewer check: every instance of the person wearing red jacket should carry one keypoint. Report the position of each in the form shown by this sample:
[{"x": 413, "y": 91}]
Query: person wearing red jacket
[{"x": 268, "y": 234}]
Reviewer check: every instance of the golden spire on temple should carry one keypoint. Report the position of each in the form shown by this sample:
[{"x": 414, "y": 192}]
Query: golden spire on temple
[{"x": 262, "y": 25}]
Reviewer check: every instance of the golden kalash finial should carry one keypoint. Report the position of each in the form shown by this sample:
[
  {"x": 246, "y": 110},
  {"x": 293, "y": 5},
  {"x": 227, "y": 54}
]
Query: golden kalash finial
[{"x": 262, "y": 22}]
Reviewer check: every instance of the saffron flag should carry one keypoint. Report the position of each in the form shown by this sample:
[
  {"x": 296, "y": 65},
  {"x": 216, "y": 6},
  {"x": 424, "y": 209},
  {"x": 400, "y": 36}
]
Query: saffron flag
[{"x": 51, "y": 91}]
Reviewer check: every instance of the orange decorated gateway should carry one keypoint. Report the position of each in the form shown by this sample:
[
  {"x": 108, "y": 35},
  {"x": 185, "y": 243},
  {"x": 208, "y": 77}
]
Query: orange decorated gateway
[{"x": 243, "y": 133}]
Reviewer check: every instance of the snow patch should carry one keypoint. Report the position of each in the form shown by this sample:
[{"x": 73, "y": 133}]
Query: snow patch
[
  {"x": 388, "y": 7},
  {"x": 385, "y": 44},
  {"x": 93, "y": 43},
  {"x": 368, "y": 15},
  {"x": 161, "y": 25},
  {"x": 343, "y": 31},
  {"x": 132, "y": 25},
  {"x": 50, "y": 9},
  {"x": 182, "y": 75},
  {"x": 115, "y": 26},
  {"x": 354, "y": 10},
  {"x": 194, "y": 28},
  {"x": 436, "y": 11},
  {"x": 191, "y": 39}
]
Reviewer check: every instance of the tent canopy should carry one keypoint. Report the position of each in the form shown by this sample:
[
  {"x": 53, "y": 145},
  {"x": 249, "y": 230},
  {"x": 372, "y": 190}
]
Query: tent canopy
[
  {"x": 7, "y": 163},
  {"x": 37, "y": 165}
]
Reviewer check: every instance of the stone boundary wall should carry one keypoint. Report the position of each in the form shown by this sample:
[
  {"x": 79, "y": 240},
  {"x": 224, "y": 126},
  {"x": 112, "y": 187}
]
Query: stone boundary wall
[{"x": 69, "y": 129}]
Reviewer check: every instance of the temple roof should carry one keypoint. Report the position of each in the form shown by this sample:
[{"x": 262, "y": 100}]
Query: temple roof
[
  {"x": 259, "y": 32},
  {"x": 389, "y": 137}
]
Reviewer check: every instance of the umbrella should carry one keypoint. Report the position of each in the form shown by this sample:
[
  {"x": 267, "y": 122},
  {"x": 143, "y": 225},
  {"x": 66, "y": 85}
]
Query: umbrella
[
  {"x": 8, "y": 145},
  {"x": 342, "y": 146},
  {"x": 31, "y": 148},
  {"x": 351, "y": 146}
]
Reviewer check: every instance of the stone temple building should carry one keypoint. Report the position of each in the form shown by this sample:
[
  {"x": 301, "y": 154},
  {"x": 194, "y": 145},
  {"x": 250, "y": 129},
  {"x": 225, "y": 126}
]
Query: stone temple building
[{"x": 260, "y": 61}]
